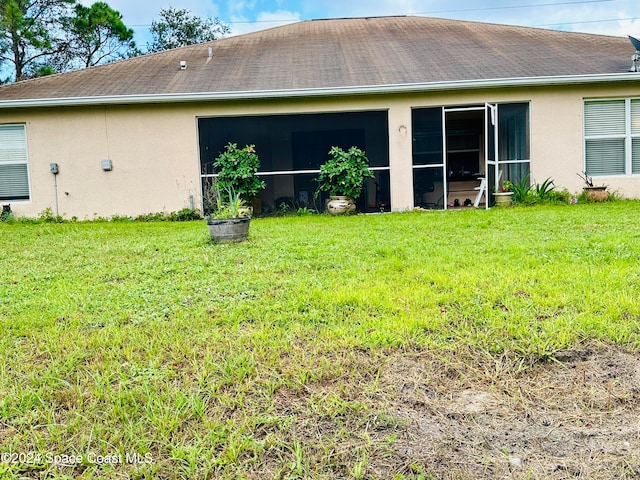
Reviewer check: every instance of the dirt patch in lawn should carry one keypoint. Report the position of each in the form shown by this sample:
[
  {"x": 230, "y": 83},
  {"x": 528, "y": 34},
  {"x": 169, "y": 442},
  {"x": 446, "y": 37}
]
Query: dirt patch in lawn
[{"x": 468, "y": 416}]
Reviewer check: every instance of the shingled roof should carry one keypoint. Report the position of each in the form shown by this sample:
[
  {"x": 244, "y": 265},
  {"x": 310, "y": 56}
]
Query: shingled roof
[{"x": 356, "y": 53}]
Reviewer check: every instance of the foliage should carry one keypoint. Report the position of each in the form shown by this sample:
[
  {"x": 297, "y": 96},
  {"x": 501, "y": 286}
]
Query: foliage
[
  {"x": 96, "y": 34},
  {"x": 179, "y": 28},
  {"x": 185, "y": 215},
  {"x": 227, "y": 202},
  {"x": 522, "y": 190},
  {"x": 47, "y": 216},
  {"x": 344, "y": 173},
  {"x": 6, "y": 215},
  {"x": 586, "y": 178},
  {"x": 41, "y": 37},
  {"x": 526, "y": 194},
  {"x": 543, "y": 190},
  {"x": 29, "y": 32},
  {"x": 237, "y": 169},
  {"x": 559, "y": 196},
  {"x": 303, "y": 211}
]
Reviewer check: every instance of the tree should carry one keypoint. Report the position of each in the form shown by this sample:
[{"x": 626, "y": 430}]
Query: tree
[
  {"x": 29, "y": 32},
  {"x": 178, "y": 28},
  {"x": 40, "y": 37},
  {"x": 96, "y": 34}
]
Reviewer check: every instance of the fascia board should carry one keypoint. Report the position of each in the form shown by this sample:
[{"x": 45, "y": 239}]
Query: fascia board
[{"x": 322, "y": 92}]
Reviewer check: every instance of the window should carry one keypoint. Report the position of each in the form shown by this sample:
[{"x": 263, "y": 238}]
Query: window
[
  {"x": 14, "y": 171},
  {"x": 612, "y": 137}
]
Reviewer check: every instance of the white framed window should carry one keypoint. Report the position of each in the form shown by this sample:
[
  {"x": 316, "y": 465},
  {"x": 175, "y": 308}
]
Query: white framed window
[
  {"x": 14, "y": 163},
  {"x": 612, "y": 137}
]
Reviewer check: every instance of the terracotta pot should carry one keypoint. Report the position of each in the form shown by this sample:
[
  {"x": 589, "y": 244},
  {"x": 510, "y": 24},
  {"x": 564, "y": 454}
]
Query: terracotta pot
[
  {"x": 228, "y": 229},
  {"x": 341, "y": 205},
  {"x": 597, "y": 194},
  {"x": 503, "y": 198}
]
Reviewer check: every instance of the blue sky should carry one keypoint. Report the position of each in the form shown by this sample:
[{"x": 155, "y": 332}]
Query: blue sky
[{"x": 608, "y": 17}]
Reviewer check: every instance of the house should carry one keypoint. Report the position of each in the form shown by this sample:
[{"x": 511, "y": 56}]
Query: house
[{"x": 436, "y": 104}]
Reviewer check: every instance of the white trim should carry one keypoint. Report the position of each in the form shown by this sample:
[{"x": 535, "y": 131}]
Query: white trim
[
  {"x": 430, "y": 165},
  {"x": 323, "y": 92},
  {"x": 291, "y": 172},
  {"x": 502, "y": 162}
]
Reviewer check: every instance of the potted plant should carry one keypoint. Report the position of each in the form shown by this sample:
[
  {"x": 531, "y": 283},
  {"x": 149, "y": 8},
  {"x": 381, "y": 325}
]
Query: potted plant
[
  {"x": 237, "y": 168},
  {"x": 343, "y": 177},
  {"x": 504, "y": 194},
  {"x": 227, "y": 222},
  {"x": 227, "y": 198},
  {"x": 595, "y": 193}
]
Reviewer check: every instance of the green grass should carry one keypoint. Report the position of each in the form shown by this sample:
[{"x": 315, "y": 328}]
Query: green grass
[{"x": 212, "y": 360}]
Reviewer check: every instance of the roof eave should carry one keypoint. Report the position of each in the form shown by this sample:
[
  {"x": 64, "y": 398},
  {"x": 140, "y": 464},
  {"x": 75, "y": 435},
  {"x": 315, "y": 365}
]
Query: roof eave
[{"x": 322, "y": 92}]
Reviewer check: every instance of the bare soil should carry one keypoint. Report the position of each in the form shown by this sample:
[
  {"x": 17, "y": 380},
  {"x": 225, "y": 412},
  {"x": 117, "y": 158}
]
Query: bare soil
[{"x": 466, "y": 415}]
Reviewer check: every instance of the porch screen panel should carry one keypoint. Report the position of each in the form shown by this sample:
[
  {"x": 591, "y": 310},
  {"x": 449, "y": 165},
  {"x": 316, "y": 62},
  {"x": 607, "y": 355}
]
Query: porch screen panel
[
  {"x": 513, "y": 131},
  {"x": 427, "y": 136},
  {"x": 14, "y": 175}
]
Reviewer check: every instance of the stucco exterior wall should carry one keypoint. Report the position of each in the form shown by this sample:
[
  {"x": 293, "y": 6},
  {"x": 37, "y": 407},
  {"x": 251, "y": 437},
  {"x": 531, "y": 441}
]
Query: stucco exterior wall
[{"x": 154, "y": 148}]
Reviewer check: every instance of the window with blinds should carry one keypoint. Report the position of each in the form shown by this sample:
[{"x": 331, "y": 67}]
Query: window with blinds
[
  {"x": 14, "y": 165},
  {"x": 612, "y": 137}
]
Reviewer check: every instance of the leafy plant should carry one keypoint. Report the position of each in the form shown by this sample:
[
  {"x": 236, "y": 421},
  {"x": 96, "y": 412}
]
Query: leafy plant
[
  {"x": 345, "y": 172},
  {"x": 7, "y": 214},
  {"x": 237, "y": 169},
  {"x": 543, "y": 190},
  {"x": 522, "y": 190},
  {"x": 228, "y": 204},
  {"x": 47, "y": 216},
  {"x": 587, "y": 179},
  {"x": 185, "y": 215}
]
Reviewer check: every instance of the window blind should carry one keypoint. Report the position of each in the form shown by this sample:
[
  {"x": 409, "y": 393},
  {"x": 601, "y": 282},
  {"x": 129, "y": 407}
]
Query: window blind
[{"x": 14, "y": 175}]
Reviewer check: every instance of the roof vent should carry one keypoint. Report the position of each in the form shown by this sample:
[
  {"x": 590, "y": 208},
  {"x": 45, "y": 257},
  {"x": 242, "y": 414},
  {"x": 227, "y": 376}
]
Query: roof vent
[
  {"x": 183, "y": 65},
  {"x": 635, "y": 59},
  {"x": 210, "y": 52}
]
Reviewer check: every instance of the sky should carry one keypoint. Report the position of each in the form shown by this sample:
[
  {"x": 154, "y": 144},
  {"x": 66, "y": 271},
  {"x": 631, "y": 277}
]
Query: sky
[{"x": 607, "y": 17}]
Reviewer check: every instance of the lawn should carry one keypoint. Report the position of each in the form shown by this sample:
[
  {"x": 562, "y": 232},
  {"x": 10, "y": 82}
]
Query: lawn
[{"x": 456, "y": 345}]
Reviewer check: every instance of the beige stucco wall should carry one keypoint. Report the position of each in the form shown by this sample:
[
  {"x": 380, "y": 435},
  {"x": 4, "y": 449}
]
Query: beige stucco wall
[{"x": 154, "y": 148}]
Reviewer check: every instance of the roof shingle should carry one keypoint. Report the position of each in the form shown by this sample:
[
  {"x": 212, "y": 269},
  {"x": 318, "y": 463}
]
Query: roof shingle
[{"x": 338, "y": 53}]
